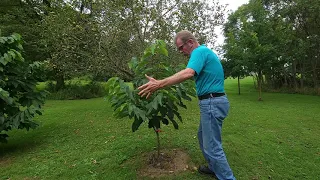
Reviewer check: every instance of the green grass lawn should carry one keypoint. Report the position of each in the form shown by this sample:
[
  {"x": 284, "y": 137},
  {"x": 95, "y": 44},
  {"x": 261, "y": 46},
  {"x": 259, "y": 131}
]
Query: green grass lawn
[{"x": 277, "y": 138}]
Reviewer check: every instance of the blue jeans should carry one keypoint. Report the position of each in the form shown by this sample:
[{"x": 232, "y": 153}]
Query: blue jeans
[{"x": 213, "y": 111}]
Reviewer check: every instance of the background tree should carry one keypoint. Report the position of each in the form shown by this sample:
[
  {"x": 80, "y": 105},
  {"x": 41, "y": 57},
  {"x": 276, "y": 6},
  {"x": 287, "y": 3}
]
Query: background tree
[
  {"x": 81, "y": 37},
  {"x": 128, "y": 26},
  {"x": 24, "y": 17},
  {"x": 71, "y": 39},
  {"x": 248, "y": 38},
  {"x": 277, "y": 39},
  {"x": 234, "y": 54}
]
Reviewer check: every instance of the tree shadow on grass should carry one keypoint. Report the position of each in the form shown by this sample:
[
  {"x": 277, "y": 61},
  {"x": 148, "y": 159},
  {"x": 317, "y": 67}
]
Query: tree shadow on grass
[
  {"x": 15, "y": 148},
  {"x": 24, "y": 145},
  {"x": 20, "y": 143}
]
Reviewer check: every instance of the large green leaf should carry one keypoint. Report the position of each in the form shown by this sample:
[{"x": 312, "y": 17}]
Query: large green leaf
[
  {"x": 162, "y": 47},
  {"x": 175, "y": 124},
  {"x": 16, "y": 36},
  {"x": 159, "y": 98},
  {"x": 155, "y": 103},
  {"x": 2, "y": 61},
  {"x": 2, "y": 40},
  {"x": 177, "y": 115},
  {"x": 136, "y": 123},
  {"x": 155, "y": 122},
  {"x": 165, "y": 121},
  {"x": 133, "y": 63},
  {"x": 4, "y": 95},
  {"x": 16, "y": 121},
  {"x": 170, "y": 114},
  {"x": 1, "y": 120}
]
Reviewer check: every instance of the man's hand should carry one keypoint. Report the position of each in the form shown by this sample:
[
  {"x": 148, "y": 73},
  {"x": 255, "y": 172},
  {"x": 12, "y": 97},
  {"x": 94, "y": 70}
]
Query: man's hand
[
  {"x": 153, "y": 84},
  {"x": 148, "y": 88}
]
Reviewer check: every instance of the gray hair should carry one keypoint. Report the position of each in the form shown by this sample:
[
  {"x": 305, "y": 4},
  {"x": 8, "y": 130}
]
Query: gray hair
[{"x": 184, "y": 35}]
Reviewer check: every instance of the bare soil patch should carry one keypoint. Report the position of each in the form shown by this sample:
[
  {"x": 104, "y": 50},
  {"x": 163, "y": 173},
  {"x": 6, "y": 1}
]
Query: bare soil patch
[
  {"x": 171, "y": 162},
  {"x": 5, "y": 162}
]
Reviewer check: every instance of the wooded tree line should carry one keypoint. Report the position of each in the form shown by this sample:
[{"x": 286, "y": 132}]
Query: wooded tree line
[
  {"x": 64, "y": 39},
  {"x": 277, "y": 41},
  {"x": 99, "y": 37}
]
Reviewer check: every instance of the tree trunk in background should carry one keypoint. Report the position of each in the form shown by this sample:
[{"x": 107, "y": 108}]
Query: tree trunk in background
[
  {"x": 254, "y": 82},
  {"x": 314, "y": 74},
  {"x": 238, "y": 85},
  {"x": 60, "y": 81},
  {"x": 302, "y": 75},
  {"x": 285, "y": 80},
  {"x": 260, "y": 77},
  {"x": 294, "y": 73},
  {"x": 273, "y": 80}
]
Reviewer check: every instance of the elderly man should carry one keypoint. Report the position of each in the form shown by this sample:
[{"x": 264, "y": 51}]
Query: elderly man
[{"x": 205, "y": 67}]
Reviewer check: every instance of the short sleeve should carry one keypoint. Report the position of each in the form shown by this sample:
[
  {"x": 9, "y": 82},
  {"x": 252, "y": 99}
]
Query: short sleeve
[{"x": 197, "y": 60}]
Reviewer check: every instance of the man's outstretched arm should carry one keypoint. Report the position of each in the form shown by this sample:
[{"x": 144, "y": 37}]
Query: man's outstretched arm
[{"x": 153, "y": 84}]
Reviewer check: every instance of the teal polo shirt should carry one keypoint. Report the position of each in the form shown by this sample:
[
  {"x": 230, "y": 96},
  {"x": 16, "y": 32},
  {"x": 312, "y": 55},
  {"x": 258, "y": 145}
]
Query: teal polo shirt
[{"x": 209, "y": 74}]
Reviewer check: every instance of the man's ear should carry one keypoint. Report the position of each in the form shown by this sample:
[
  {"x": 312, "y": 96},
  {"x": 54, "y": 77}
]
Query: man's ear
[{"x": 190, "y": 41}]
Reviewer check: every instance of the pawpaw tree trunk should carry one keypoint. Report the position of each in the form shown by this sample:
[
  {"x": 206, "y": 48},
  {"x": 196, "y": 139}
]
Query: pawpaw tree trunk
[{"x": 158, "y": 144}]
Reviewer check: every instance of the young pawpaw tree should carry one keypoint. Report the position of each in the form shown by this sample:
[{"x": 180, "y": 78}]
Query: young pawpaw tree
[{"x": 162, "y": 106}]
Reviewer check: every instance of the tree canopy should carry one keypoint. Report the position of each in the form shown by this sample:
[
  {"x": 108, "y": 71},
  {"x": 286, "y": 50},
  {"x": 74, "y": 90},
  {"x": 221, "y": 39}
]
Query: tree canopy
[
  {"x": 80, "y": 37},
  {"x": 277, "y": 41}
]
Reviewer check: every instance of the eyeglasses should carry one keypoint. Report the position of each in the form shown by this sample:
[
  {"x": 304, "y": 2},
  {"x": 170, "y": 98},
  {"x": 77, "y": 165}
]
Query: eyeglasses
[{"x": 181, "y": 47}]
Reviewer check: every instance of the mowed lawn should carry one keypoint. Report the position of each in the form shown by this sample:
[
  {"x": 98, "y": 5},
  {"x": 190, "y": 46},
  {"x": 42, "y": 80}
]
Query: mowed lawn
[{"x": 277, "y": 138}]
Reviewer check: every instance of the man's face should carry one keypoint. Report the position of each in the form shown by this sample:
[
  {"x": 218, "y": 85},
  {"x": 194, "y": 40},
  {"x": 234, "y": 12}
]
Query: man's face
[{"x": 185, "y": 48}]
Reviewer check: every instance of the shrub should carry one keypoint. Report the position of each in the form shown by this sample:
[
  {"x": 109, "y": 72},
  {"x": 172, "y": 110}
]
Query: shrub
[
  {"x": 19, "y": 99},
  {"x": 76, "y": 90}
]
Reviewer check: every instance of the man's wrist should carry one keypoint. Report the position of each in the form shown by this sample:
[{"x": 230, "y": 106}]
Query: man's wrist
[{"x": 161, "y": 83}]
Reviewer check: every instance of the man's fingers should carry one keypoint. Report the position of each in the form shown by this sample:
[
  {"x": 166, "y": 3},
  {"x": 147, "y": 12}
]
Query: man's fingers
[
  {"x": 145, "y": 85},
  {"x": 148, "y": 95},
  {"x": 148, "y": 77},
  {"x": 146, "y": 89},
  {"x": 142, "y": 87},
  {"x": 145, "y": 92},
  {"x": 141, "y": 92}
]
